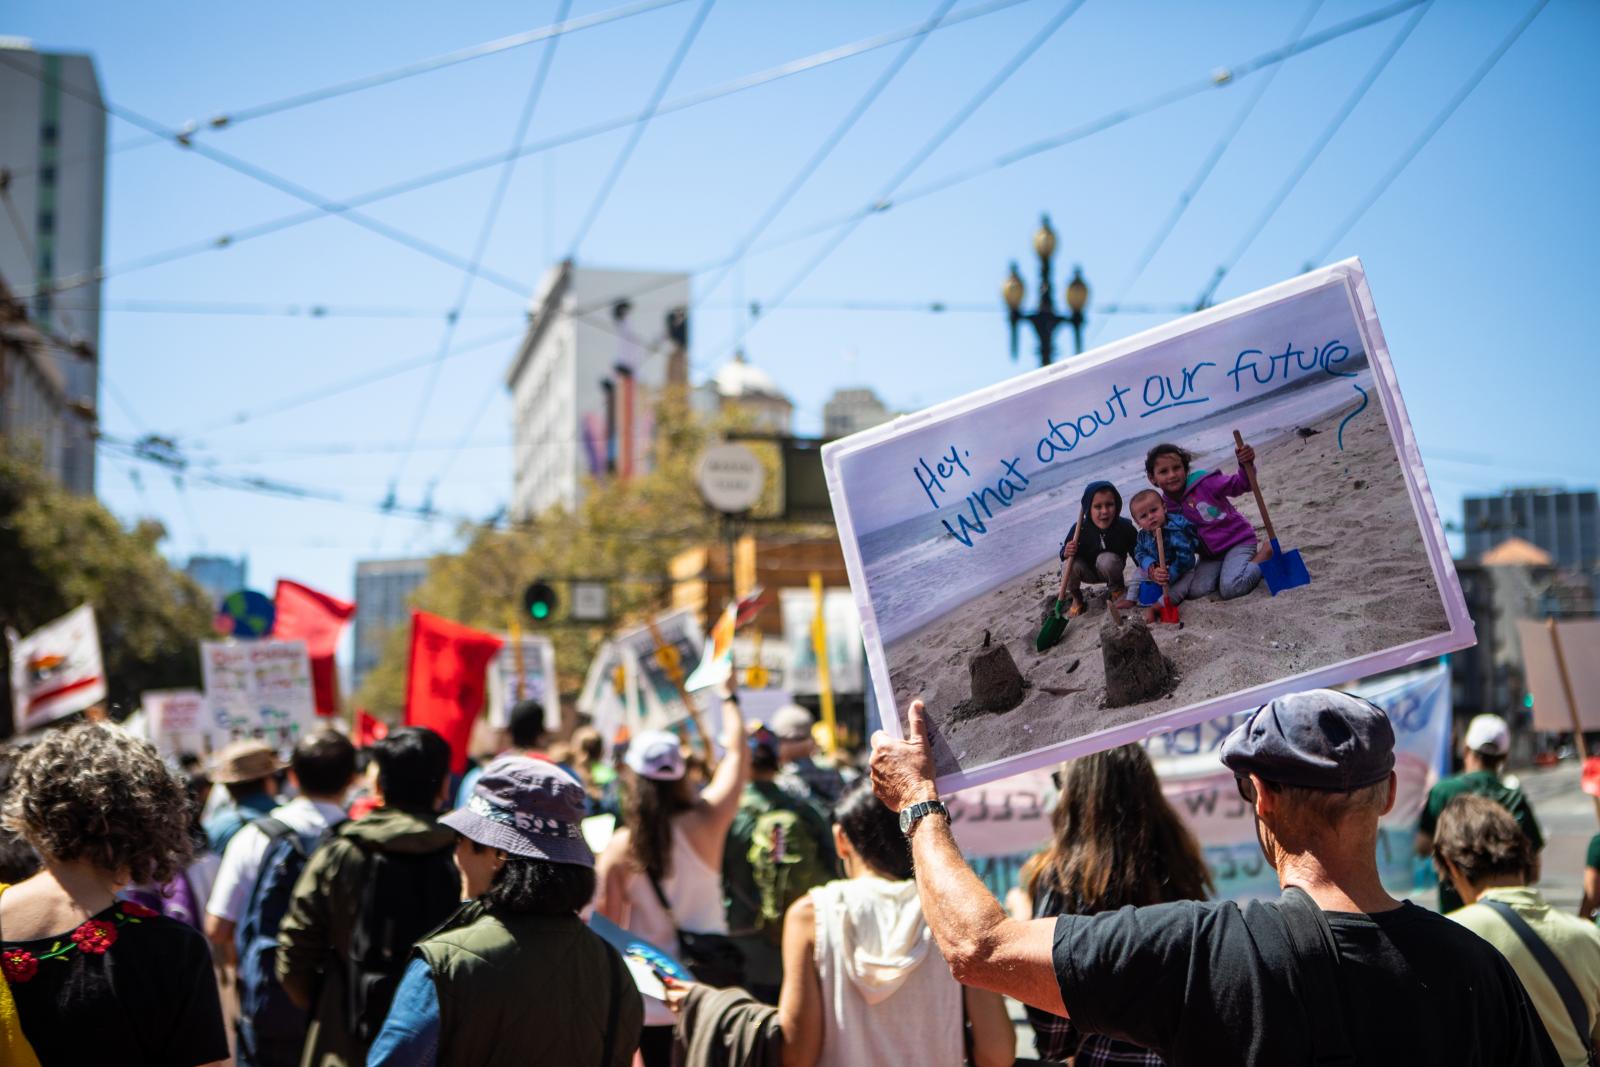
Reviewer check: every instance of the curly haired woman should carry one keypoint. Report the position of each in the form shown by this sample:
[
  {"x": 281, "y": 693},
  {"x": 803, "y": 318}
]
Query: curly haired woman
[{"x": 95, "y": 979}]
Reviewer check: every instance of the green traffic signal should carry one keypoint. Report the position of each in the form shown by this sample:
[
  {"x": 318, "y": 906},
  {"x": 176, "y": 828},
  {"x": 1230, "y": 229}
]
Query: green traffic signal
[{"x": 539, "y": 601}]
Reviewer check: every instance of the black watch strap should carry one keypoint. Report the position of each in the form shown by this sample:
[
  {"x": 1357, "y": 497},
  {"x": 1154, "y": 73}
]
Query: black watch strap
[{"x": 915, "y": 813}]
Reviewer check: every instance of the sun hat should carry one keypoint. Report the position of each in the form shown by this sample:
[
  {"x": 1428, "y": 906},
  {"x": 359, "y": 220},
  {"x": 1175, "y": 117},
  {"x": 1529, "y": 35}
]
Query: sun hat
[
  {"x": 526, "y": 807},
  {"x": 656, "y": 755},
  {"x": 244, "y": 761},
  {"x": 1488, "y": 734},
  {"x": 1321, "y": 739}
]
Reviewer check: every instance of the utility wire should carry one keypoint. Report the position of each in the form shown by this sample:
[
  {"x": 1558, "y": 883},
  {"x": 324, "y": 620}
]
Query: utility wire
[
  {"x": 485, "y": 231},
  {"x": 1207, "y": 165},
  {"x": 1422, "y": 140},
  {"x": 303, "y": 311},
  {"x": 640, "y": 125},
  {"x": 683, "y": 103},
  {"x": 558, "y": 28},
  {"x": 830, "y": 142},
  {"x": 323, "y": 205},
  {"x": 1312, "y": 153}
]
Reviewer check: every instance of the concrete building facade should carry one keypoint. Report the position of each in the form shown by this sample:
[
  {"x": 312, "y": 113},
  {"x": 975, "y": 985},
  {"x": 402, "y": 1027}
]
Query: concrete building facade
[
  {"x": 600, "y": 347},
  {"x": 1564, "y": 523},
  {"x": 383, "y": 601},
  {"x": 217, "y": 575},
  {"x": 850, "y": 411},
  {"x": 53, "y": 149}
]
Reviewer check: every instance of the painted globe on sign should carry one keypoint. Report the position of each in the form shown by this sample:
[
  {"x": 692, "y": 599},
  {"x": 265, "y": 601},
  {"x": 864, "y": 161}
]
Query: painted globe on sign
[{"x": 251, "y": 613}]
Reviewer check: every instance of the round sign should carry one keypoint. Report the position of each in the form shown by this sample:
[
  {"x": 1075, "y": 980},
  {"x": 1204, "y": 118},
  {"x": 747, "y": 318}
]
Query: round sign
[
  {"x": 251, "y": 614},
  {"x": 730, "y": 478}
]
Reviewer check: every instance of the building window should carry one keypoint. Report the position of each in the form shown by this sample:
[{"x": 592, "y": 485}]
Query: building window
[
  {"x": 48, "y": 133},
  {"x": 47, "y": 222},
  {"x": 47, "y": 174}
]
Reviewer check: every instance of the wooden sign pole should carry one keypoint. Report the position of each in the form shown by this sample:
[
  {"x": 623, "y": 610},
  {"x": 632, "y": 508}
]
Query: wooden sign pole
[{"x": 1572, "y": 703}]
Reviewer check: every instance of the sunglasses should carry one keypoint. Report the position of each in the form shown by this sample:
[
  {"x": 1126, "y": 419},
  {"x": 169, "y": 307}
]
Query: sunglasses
[{"x": 1247, "y": 788}]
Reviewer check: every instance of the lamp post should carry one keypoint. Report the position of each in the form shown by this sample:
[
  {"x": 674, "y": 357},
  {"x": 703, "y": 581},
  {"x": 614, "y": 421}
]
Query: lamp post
[{"x": 1044, "y": 319}]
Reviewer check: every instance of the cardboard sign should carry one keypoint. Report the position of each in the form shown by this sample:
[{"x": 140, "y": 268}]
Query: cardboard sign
[
  {"x": 652, "y": 655},
  {"x": 538, "y": 681},
  {"x": 1580, "y": 655},
  {"x": 954, "y": 520},
  {"x": 56, "y": 670},
  {"x": 259, "y": 689},
  {"x": 845, "y": 655}
]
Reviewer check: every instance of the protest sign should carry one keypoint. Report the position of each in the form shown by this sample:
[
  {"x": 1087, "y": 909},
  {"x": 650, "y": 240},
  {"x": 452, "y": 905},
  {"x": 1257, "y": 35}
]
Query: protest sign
[
  {"x": 845, "y": 654},
  {"x": 56, "y": 670},
  {"x": 180, "y": 720},
  {"x": 538, "y": 657},
  {"x": 260, "y": 689},
  {"x": 953, "y": 522},
  {"x": 607, "y": 696},
  {"x": 1543, "y": 669},
  {"x": 660, "y": 656}
]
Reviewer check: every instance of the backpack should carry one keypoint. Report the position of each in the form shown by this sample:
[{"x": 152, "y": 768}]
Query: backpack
[
  {"x": 404, "y": 897},
  {"x": 268, "y": 1019},
  {"x": 786, "y": 862}
]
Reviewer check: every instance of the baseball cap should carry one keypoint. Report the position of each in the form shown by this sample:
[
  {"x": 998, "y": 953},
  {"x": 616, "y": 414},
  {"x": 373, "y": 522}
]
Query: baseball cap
[
  {"x": 1321, "y": 739},
  {"x": 1488, "y": 734},
  {"x": 527, "y": 807},
  {"x": 792, "y": 723},
  {"x": 244, "y": 761},
  {"x": 657, "y": 755}
]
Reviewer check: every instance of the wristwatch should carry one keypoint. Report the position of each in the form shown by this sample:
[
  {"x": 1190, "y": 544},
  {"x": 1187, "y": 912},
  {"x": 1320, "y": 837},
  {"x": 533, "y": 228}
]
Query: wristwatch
[{"x": 910, "y": 815}]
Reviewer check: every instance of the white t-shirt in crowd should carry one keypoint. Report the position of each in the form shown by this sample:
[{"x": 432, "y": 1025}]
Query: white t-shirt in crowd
[{"x": 241, "y": 864}]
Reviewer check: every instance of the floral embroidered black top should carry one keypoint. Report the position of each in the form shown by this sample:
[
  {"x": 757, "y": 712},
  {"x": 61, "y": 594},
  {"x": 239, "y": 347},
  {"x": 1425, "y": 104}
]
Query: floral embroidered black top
[{"x": 127, "y": 986}]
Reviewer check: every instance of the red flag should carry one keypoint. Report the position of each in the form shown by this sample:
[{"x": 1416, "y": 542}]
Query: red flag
[
  {"x": 303, "y": 614},
  {"x": 368, "y": 729},
  {"x": 1590, "y": 780},
  {"x": 445, "y": 688}
]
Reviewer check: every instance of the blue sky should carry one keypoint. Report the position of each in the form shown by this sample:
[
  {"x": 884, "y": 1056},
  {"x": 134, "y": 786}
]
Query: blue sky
[{"x": 1478, "y": 255}]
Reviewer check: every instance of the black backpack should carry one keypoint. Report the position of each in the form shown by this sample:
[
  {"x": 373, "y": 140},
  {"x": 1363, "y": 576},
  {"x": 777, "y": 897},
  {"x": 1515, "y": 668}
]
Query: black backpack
[{"x": 404, "y": 896}]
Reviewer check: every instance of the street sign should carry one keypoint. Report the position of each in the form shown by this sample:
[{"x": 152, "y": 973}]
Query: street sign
[
  {"x": 590, "y": 602},
  {"x": 730, "y": 478}
]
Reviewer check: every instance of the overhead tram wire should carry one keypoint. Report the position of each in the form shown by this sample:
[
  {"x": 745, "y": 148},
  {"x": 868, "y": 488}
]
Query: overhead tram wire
[
  {"x": 303, "y": 310},
  {"x": 829, "y": 143},
  {"x": 259, "y": 174},
  {"x": 559, "y": 28},
  {"x": 741, "y": 84},
  {"x": 636, "y": 132},
  {"x": 919, "y": 157},
  {"x": 485, "y": 231},
  {"x": 1312, "y": 153},
  {"x": 1207, "y": 165},
  {"x": 1427, "y": 134}
]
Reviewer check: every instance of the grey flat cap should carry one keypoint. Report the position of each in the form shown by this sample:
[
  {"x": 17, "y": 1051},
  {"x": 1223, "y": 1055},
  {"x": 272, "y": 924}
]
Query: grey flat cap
[{"x": 1322, "y": 739}]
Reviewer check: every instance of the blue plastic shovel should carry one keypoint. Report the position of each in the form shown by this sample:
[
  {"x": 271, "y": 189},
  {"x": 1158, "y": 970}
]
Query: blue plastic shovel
[{"x": 1283, "y": 570}]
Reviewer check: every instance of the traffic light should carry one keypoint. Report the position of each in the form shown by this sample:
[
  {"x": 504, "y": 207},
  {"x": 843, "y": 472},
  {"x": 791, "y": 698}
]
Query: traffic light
[{"x": 539, "y": 601}]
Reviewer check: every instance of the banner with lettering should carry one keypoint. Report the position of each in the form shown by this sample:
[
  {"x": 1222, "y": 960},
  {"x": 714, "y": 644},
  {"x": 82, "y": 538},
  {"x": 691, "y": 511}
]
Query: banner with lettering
[
  {"x": 536, "y": 681},
  {"x": 56, "y": 671},
  {"x": 260, "y": 689},
  {"x": 1171, "y": 528},
  {"x": 179, "y": 720}
]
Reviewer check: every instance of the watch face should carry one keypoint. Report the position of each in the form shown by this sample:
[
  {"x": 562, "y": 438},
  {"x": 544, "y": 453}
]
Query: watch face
[{"x": 905, "y": 819}]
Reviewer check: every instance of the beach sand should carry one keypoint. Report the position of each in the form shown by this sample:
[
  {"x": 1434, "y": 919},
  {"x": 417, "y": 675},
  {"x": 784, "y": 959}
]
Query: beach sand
[{"x": 1372, "y": 588}]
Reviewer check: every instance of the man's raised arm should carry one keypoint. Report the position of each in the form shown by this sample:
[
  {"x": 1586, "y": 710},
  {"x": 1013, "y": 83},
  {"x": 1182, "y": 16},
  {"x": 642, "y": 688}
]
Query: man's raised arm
[{"x": 983, "y": 946}]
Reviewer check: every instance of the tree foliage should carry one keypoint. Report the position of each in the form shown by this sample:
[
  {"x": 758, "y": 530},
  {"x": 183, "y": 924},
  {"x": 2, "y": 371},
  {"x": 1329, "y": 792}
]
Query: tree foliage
[
  {"x": 59, "y": 550},
  {"x": 625, "y": 531}
]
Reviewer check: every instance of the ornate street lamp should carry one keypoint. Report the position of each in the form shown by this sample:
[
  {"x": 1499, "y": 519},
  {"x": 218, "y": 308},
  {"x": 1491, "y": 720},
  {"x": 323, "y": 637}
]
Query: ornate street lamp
[{"x": 1044, "y": 319}]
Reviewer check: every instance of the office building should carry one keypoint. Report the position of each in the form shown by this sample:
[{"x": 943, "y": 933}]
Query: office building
[
  {"x": 600, "y": 347},
  {"x": 52, "y": 151},
  {"x": 383, "y": 602},
  {"x": 1564, "y": 524},
  {"x": 217, "y": 575},
  {"x": 743, "y": 387}
]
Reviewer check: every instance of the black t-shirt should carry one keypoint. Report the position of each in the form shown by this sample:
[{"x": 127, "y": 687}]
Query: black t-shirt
[
  {"x": 126, "y": 987},
  {"x": 1204, "y": 983}
]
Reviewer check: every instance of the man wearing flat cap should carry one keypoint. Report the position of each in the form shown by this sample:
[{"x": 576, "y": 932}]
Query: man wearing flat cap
[{"x": 1335, "y": 971}]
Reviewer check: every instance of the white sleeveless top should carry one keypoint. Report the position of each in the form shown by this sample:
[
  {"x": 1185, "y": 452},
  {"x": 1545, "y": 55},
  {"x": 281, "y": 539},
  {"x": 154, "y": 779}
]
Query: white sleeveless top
[
  {"x": 888, "y": 996},
  {"x": 693, "y": 889}
]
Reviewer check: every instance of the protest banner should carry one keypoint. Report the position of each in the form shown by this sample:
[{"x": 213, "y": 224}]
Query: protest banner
[
  {"x": 608, "y": 697},
  {"x": 180, "y": 720},
  {"x": 538, "y": 680},
  {"x": 998, "y": 825},
  {"x": 446, "y": 675},
  {"x": 56, "y": 670},
  {"x": 659, "y": 656},
  {"x": 260, "y": 689},
  {"x": 953, "y": 522},
  {"x": 1543, "y": 671},
  {"x": 846, "y": 658},
  {"x": 303, "y": 613}
]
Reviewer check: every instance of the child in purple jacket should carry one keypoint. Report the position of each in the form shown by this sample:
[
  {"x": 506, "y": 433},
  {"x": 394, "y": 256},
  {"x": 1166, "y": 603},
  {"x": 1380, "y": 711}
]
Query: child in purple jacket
[{"x": 1229, "y": 552}]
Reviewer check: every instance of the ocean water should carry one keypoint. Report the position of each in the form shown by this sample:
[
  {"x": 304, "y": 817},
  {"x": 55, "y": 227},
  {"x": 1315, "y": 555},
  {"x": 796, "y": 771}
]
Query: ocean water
[{"x": 916, "y": 571}]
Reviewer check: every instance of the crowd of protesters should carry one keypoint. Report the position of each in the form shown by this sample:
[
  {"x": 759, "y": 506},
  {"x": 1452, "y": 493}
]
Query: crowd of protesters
[{"x": 343, "y": 906}]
